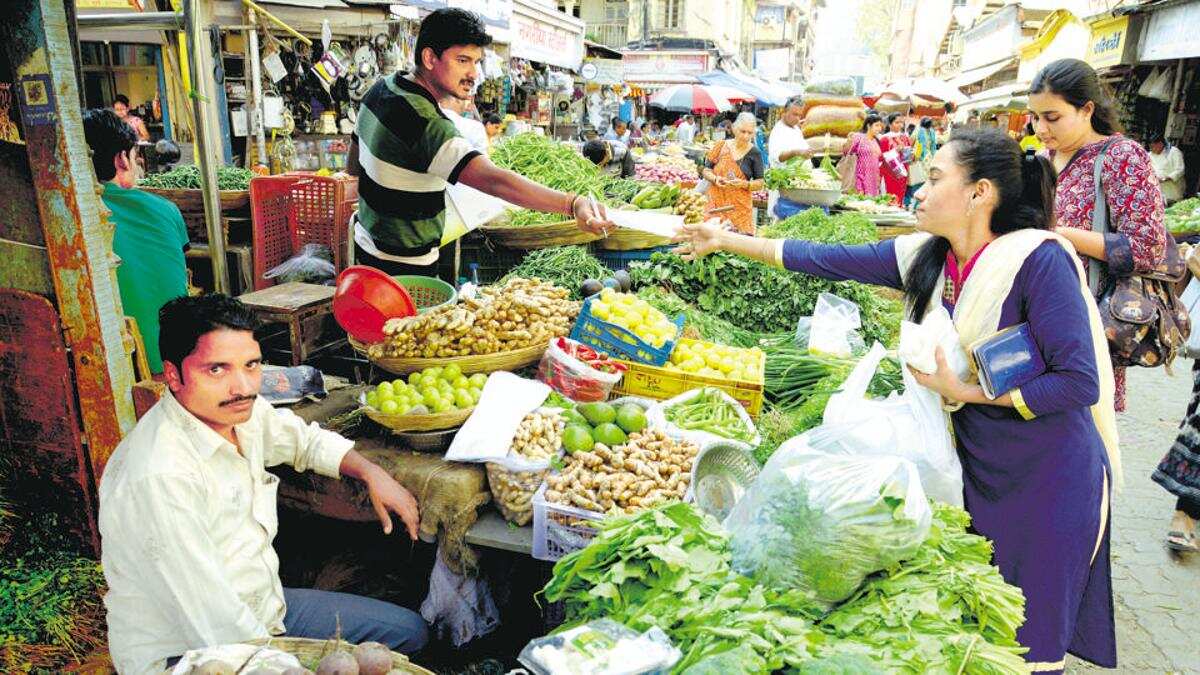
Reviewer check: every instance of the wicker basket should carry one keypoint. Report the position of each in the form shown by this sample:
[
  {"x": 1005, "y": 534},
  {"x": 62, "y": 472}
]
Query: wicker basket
[
  {"x": 433, "y": 422},
  {"x": 476, "y": 363},
  {"x": 565, "y": 233},
  {"x": 310, "y": 652},
  {"x": 625, "y": 239},
  {"x": 192, "y": 201}
]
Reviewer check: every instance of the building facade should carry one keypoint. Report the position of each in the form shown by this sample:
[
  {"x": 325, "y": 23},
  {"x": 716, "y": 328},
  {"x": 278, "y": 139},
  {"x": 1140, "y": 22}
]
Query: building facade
[
  {"x": 784, "y": 36},
  {"x": 728, "y": 25}
]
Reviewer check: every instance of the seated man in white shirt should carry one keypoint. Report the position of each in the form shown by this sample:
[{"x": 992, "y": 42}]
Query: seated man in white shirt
[{"x": 188, "y": 514}]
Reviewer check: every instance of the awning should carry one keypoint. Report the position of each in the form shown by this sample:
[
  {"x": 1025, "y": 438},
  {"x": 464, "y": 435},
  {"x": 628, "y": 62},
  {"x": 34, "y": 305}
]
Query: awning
[
  {"x": 766, "y": 93},
  {"x": 1012, "y": 96},
  {"x": 974, "y": 75}
]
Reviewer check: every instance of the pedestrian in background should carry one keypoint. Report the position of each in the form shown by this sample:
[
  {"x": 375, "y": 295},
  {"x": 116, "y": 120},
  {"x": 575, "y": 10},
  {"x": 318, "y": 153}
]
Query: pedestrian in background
[
  {"x": 734, "y": 170},
  {"x": 864, "y": 148},
  {"x": 1168, "y": 167},
  {"x": 895, "y": 140},
  {"x": 925, "y": 146}
]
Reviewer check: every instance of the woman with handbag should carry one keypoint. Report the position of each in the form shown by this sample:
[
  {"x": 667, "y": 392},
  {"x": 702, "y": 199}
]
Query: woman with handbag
[
  {"x": 896, "y": 142},
  {"x": 1038, "y": 461},
  {"x": 860, "y": 163},
  {"x": 1099, "y": 167}
]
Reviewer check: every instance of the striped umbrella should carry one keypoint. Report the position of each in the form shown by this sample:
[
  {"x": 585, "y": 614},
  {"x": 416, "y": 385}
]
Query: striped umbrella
[{"x": 693, "y": 98}]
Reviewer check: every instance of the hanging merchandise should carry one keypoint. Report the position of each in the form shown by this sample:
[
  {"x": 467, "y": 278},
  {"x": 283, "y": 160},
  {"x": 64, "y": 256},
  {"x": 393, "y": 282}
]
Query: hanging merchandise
[
  {"x": 331, "y": 65},
  {"x": 326, "y": 34}
]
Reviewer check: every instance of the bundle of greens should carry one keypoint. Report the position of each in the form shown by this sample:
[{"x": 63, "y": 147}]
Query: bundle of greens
[
  {"x": 1184, "y": 216},
  {"x": 669, "y": 567},
  {"x": 188, "y": 177},
  {"x": 708, "y": 326},
  {"x": 564, "y": 266},
  {"x": 822, "y": 522},
  {"x": 816, "y": 225},
  {"x": 760, "y": 298}
]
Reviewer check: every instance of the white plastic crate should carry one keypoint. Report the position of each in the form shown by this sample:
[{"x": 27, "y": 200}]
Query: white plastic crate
[{"x": 554, "y": 534}]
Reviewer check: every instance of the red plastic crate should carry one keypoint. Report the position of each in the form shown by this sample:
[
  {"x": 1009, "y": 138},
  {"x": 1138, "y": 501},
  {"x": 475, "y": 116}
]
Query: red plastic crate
[{"x": 292, "y": 210}]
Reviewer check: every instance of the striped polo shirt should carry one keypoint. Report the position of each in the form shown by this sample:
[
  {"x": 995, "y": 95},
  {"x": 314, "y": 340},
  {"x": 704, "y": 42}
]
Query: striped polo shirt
[{"x": 409, "y": 151}]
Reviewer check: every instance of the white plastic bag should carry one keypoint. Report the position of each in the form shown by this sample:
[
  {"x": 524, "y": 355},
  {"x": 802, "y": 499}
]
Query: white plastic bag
[
  {"x": 601, "y": 647},
  {"x": 826, "y": 512},
  {"x": 919, "y": 342},
  {"x": 834, "y": 321},
  {"x": 656, "y": 418},
  {"x": 1191, "y": 300},
  {"x": 488, "y": 433},
  {"x": 911, "y": 425}
]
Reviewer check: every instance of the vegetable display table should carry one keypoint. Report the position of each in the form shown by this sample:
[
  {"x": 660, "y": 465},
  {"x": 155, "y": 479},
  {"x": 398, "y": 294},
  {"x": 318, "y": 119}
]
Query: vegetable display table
[{"x": 306, "y": 309}]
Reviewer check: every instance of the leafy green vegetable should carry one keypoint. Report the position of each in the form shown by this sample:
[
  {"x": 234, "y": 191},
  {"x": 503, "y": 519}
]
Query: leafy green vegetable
[
  {"x": 565, "y": 266},
  {"x": 763, "y": 299},
  {"x": 188, "y": 178},
  {"x": 669, "y": 567}
]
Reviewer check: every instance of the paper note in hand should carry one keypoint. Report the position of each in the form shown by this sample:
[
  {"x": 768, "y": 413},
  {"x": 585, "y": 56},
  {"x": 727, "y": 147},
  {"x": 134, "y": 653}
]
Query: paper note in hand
[{"x": 661, "y": 224}]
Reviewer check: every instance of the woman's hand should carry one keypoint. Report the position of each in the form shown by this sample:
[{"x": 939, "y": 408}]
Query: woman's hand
[
  {"x": 699, "y": 239},
  {"x": 945, "y": 381},
  {"x": 720, "y": 182}
]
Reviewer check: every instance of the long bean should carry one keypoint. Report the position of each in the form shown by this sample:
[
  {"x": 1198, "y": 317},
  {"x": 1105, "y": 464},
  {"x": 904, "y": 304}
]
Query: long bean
[{"x": 711, "y": 412}]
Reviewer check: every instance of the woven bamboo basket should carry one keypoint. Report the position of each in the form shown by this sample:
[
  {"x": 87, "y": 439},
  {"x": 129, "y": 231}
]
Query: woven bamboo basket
[
  {"x": 624, "y": 239},
  {"x": 432, "y": 422},
  {"x": 475, "y": 363},
  {"x": 310, "y": 652},
  {"x": 566, "y": 233},
  {"x": 192, "y": 201}
]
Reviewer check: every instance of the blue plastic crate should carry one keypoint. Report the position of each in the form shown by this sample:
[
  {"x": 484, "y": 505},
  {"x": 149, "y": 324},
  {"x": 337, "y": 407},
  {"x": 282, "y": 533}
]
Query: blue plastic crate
[
  {"x": 619, "y": 342},
  {"x": 620, "y": 260}
]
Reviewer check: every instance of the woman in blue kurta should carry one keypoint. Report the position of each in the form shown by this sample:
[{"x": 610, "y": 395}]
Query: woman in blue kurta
[{"x": 1037, "y": 460}]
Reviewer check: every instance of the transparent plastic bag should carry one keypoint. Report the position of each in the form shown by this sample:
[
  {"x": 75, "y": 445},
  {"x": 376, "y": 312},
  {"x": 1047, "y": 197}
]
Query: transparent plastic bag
[
  {"x": 919, "y": 342},
  {"x": 312, "y": 265},
  {"x": 826, "y": 512},
  {"x": 515, "y": 478},
  {"x": 573, "y": 378},
  {"x": 656, "y": 418},
  {"x": 834, "y": 327},
  {"x": 601, "y": 647}
]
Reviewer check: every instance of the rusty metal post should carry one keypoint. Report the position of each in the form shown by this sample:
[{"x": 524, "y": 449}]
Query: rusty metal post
[
  {"x": 197, "y": 16},
  {"x": 78, "y": 239}
]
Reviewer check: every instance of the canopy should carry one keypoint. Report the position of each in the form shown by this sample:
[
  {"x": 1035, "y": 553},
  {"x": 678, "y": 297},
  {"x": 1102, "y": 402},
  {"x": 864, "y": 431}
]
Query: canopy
[
  {"x": 1006, "y": 97},
  {"x": 923, "y": 87},
  {"x": 692, "y": 98},
  {"x": 763, "y": 91}
]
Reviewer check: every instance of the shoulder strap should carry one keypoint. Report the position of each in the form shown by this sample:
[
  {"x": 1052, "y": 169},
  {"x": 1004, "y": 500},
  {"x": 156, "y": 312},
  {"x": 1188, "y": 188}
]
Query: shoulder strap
[{"x": 1099, "y": 214}]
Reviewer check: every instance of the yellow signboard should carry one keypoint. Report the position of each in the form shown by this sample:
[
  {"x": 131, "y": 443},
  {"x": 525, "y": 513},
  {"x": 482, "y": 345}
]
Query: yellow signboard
[
  {"x": 105, "y": 4},
  {"x": 1109, "y": 39}
]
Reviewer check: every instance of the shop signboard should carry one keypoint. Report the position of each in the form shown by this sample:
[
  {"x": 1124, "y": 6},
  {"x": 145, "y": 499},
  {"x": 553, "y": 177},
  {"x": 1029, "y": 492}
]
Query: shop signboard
[
  {"x": 495, "y": 13},
  {"x": 1170, "y": 33},
  {"x": 993, "y": 40},
  {"x": 773, "y": 64},
  {"x": 665, "y": 66},
  {"x": 535, "y": 40},
  {"x": 603, "y": 71},
  {"x": 1112, "y": 42}
]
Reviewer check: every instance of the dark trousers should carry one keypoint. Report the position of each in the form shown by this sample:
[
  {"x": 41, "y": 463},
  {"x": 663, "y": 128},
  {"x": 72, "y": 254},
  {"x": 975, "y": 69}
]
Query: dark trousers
[
  {"x": 316, "y": 614},
  {"x": 1189, "y": 506}
]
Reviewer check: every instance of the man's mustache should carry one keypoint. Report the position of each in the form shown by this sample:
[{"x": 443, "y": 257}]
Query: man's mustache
[{"x": 239, "y": 399}]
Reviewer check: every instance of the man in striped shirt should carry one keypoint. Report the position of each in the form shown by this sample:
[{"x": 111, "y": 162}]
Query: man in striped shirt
[{"x": 406, "y": 150}]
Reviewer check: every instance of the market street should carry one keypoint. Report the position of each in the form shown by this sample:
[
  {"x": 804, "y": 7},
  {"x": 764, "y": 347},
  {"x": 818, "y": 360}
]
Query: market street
[{"x": 1153, "y": 589}]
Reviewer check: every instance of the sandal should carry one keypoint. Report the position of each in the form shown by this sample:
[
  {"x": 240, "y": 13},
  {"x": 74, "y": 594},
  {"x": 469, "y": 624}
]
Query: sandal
[{"x": 1180, "y": 541}]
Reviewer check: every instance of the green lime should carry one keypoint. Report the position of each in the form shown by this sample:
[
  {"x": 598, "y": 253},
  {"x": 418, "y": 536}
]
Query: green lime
[
  {"x": 414, "y": 379},
  {"x": 598, "y": 413},
  {"x": 572, "y": 416},
  {"x": 372, "y": 399},
  {"x": 478, "y": 380},
  {"x": 389, "y": 407},
  {"x": 577, "y": 438},
  {"x": 461, "y": 382},
  {"x": 631, "y": 418},
  {"x": 384, "y": 387},
  {"x": 463, "y": 399},
  {"x": 432, "y": 371},
  {"x": 610, "y": 435},
  {"x": 451, "y": 372}
]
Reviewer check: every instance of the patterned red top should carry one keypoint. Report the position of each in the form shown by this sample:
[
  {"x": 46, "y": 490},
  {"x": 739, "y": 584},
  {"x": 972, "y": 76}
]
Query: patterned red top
[{"x": 1137, "y": 238}]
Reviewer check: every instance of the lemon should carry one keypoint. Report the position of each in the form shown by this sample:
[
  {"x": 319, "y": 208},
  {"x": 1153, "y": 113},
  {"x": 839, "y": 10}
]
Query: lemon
[
  {"x": 601, "y": 311},
  {"x": 608, "y": 295}
]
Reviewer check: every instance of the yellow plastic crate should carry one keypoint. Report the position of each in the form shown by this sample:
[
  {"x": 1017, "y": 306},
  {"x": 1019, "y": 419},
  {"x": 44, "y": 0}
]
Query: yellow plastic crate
[{"x": 661, "y": 384}]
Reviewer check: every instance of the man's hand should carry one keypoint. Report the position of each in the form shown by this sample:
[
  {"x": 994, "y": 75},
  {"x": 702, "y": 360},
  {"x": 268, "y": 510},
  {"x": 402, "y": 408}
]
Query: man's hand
[
  {"x": 387, "y": 497},
  {"x": 592, "y": 221}
]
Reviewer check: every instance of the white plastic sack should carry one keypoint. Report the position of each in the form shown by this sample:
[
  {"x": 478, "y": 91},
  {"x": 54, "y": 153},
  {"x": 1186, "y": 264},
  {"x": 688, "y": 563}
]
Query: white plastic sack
[
  {"x": 919, "y": 342},
  {"x": 1191, "y": 300},
  {"x": 458, "y": 607},
  {"x": 826, "y": 512},
  {"x": 488, "y": 432},
  {"x": 911, "y": 425},
  {"x": 656, "y": 418},
  {"x": 834, "y": 321}
]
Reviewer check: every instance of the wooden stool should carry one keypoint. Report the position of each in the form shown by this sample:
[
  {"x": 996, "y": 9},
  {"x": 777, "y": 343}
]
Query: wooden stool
[{"x": 306, "y": 309}]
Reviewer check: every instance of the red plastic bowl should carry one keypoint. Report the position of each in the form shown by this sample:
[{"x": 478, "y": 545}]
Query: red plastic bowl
[{"x": 365, "y": 299}]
